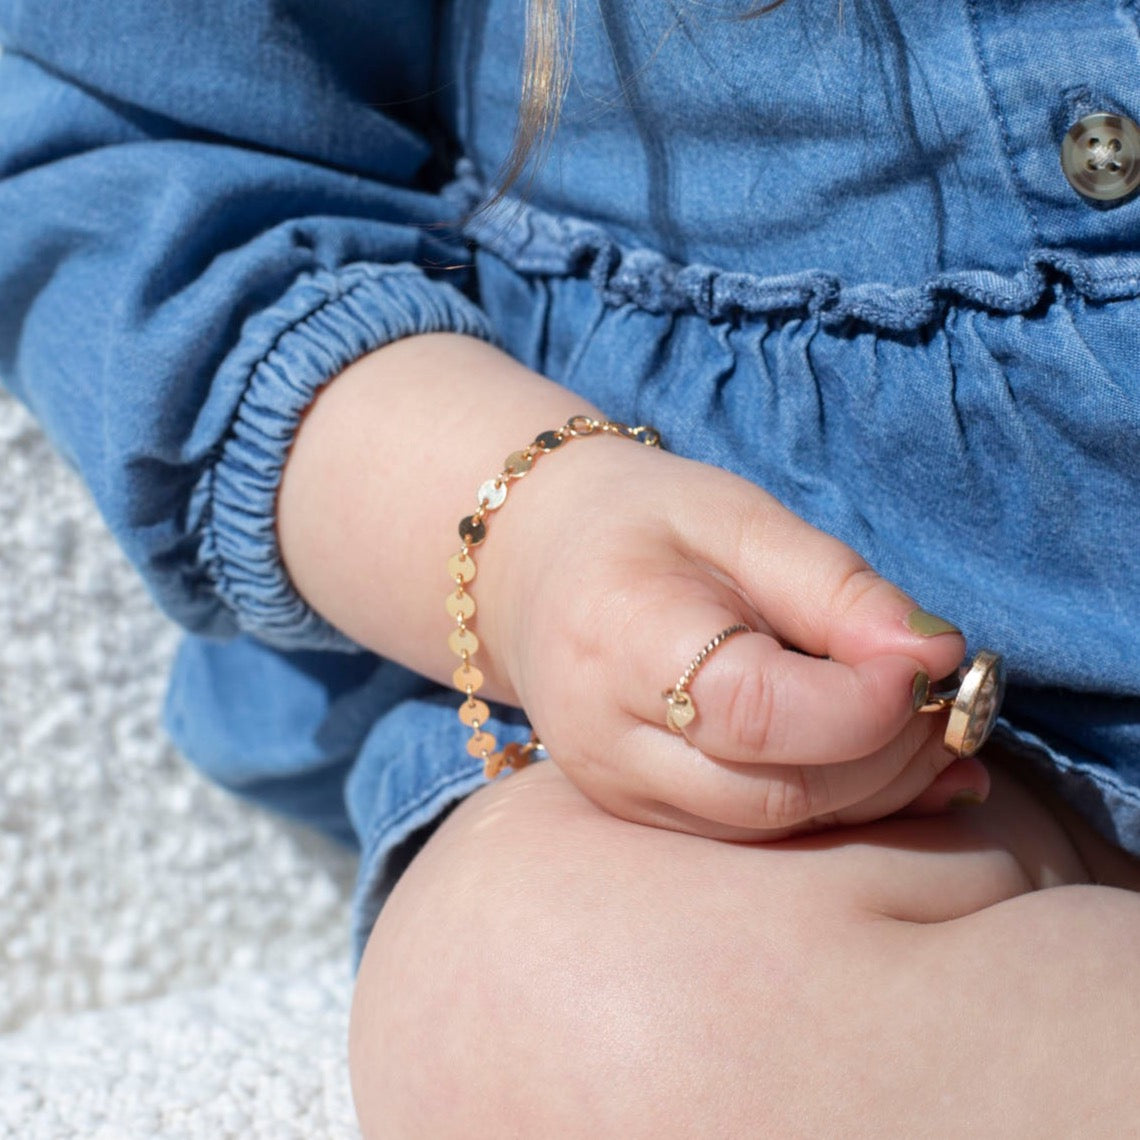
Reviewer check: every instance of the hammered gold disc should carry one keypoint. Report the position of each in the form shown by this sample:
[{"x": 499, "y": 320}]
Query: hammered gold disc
[
  {"x": 474, "y": 711},
  {"x": 479, "y": 743},
  {"x": 461, "y": 566},
  {"x": 681, "y": 712},
  {"x": 462, "y": 641},
  {"x": 518, "y": 463},
  {"x": 467, "y": 677},
  {"x": 471, "y": 531},
  {"x": 460, "y": 605}
]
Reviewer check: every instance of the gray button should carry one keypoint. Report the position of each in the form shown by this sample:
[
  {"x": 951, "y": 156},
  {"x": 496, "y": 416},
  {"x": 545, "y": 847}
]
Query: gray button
[{"x": 1101, "y": 156}]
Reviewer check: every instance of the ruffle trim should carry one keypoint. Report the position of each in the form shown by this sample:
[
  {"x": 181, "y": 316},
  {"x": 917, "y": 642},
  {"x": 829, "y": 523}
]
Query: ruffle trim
[{"x": 535, "y": 242}]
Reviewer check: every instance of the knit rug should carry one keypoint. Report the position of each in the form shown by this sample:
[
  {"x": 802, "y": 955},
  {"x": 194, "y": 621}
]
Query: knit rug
[{"x": 173, "y": 962}]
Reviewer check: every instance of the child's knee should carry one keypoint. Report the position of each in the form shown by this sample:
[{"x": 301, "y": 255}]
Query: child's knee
[{"x": 545, "y": 966}]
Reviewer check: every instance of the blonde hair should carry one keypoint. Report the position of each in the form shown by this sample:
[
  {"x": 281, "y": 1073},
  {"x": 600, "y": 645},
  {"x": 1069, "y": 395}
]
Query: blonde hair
[{"x": 545, "y": 73}]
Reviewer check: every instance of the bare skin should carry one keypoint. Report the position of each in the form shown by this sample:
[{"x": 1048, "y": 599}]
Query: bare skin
[
  {"x": 781, "y": 952},
  {"x": 544, "y": 969}
]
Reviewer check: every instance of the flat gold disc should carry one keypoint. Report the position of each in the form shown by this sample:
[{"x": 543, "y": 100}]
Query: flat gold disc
[
  {"x": 518, "y": 463},
  {"x": 472, "y": 530},
  {"x": 474, "y": 711},
  {"x": 462, "y": 640},
  {"x": 467, "y": 677},
  {"x": 461, "y": 566},
  {"x": 461, "y": 605},
  {"x": 479, "y": 743},
  {"x": 492, "y": 494},
  {"x": 548, "y": 441}
]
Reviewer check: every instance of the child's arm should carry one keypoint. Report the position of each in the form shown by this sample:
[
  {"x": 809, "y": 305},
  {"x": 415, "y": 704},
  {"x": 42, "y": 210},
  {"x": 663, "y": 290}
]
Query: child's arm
[
  {"x": 601, "y": 577},
  {"x": 205, "y": 222}
]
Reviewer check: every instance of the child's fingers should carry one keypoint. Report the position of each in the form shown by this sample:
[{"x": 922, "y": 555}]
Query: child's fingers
[
  {"x": 965, "y": 781},
  {"x": 770, "y": 800},
  {"x": 816, "y": 592},
  {"x": 925, "y": 786},
  {"x": 757, "y": 702}
]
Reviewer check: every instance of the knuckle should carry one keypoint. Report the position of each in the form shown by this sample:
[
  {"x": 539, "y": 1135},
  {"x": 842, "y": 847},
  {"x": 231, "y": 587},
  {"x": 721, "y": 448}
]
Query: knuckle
[
  {"x": 856, "y": 581},
  {"x": 749, "y": 711},
  {"x": 788, "y": 799}
]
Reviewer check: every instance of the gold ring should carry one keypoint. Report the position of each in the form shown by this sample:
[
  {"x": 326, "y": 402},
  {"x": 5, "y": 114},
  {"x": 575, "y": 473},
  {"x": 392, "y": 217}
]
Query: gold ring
[{"x": 682, "y": 711}]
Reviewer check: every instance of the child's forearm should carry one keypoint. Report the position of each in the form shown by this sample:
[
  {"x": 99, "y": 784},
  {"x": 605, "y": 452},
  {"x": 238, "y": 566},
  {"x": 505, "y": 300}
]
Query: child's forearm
[{"x": 386, "y": 462}]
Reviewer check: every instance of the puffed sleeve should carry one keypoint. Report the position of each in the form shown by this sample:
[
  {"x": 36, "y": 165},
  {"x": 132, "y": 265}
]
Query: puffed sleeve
[{"x": 207, "y": 210}]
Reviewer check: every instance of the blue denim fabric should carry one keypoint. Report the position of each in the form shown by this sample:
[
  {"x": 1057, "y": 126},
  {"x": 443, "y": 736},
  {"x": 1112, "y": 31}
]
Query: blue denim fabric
[
  {"x": 835, "y": 254},
  {"x": 204, "y": 218}
]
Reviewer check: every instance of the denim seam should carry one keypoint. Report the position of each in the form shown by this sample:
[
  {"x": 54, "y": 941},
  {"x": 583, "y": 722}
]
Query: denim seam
[
  {"x": 1130, "y": 10},
  {"x": 1007, "y": 144},
  {"x": 394, "y": 819},
  {"x": 1106, "y": 778}
]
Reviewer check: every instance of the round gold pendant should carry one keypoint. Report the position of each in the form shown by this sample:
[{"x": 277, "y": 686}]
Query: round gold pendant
[{"x": 974, "y": 703}]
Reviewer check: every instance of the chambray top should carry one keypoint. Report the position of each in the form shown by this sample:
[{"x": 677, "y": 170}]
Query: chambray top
[{"x": 832, "y": 250}]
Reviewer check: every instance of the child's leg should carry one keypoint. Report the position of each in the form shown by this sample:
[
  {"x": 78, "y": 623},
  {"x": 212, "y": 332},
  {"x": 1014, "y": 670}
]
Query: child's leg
[{"x": 544, "y": 969}]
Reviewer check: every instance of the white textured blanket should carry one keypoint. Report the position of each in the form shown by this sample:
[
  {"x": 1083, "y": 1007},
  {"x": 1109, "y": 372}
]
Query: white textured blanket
[{"x": 172, "y": 962}]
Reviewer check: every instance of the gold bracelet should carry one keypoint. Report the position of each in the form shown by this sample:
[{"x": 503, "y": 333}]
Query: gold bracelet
[{"x": 461, "y": 567}]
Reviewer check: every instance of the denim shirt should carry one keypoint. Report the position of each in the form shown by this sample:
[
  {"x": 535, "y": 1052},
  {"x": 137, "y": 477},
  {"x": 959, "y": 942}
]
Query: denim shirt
[{"x": 832, "y": 250}]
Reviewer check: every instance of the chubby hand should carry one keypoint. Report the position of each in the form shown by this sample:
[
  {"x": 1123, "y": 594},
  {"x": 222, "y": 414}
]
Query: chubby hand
[{"x": 615, "y": 564}]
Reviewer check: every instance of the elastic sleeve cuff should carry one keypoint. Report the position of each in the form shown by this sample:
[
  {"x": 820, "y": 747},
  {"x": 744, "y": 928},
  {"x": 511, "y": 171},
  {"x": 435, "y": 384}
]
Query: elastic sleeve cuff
[{"x": 325, "y": 322}]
